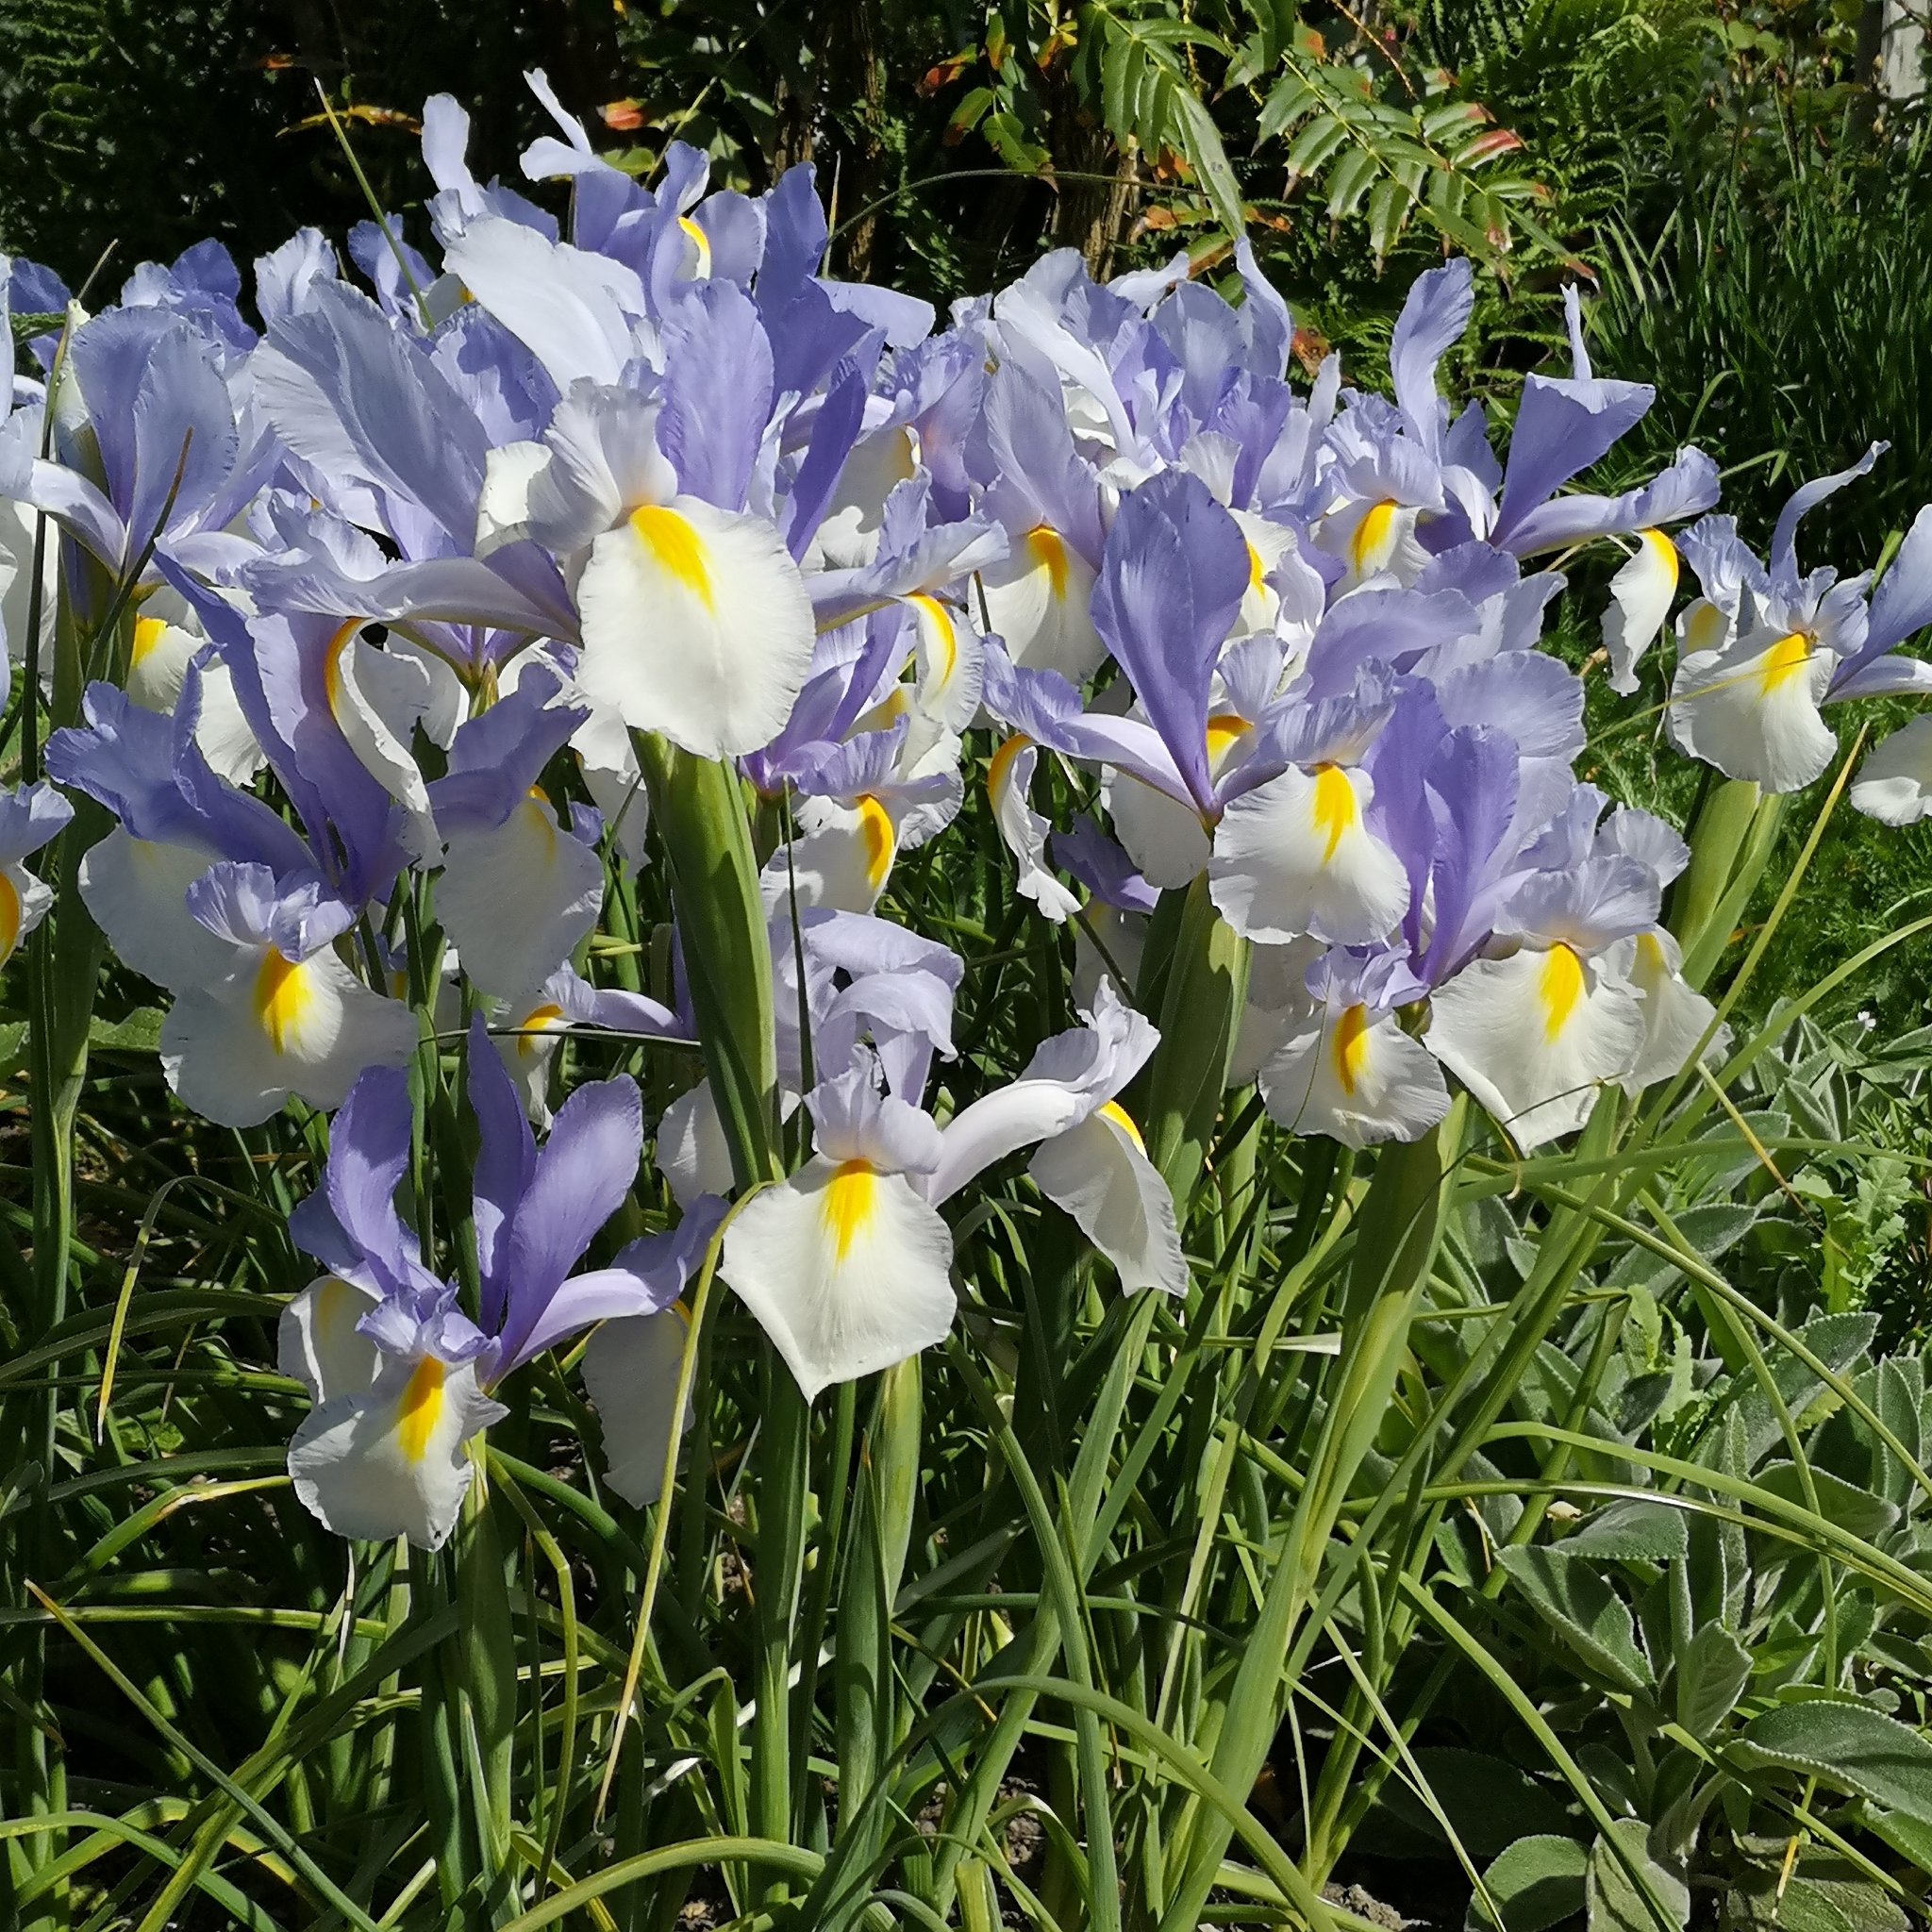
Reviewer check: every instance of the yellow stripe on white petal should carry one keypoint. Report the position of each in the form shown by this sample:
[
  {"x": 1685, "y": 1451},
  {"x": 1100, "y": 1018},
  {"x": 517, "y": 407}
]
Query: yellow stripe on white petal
[
  {"x": 1039, "y": 600},
  {"x": 948, "y": 654},
  {"x": 631, "y": 1369},
  {"x": 377, "y": 698},
  {"x": 696, "y": 624},
  {"x": 515, "y": 900},
  {"x": 318, "y": 1344},
  {"x": 1640, "y": 594},
  {"x": 1753, "y": 713},
  {"x": 1373, "y": 540},
  {"x": 1009, "y": 779},
  {"x": 697, "y": 257},
  {"x": 1535, "y": 1036},
  {"x": 846, "y": 1270},
  {"x": 1268, "y": 544},
  {"x": 392, "y": 1459},
  {"x": 1675, "y": 1015},
  {"x": 235, "y": 1051},
  {"x": 841, "y": 861},
  {"x": 1354, "y": 1077},
  {"x": 158, "y": 659},
  {"x": 1099, "y": 1173},
  {"x": 23, "y": 903},
  {"x": 1296, "y": 855}
]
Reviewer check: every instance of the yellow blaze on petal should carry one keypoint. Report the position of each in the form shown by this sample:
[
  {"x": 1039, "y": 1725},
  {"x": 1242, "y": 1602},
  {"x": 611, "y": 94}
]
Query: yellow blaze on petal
[
  {"x": 148, "y": 632},
  {"x": 1662, "y": 550},
  {"x": 1375, "y": 536},
  {"x": 1255, "y": 571},
  {"x": 1351, "y": 1046},
  {"x": 945, "y": 642},
  {"x": 881, "y": 838},
  {"x": 1703, "y": 627},
  {"x": 421, "y": 1409},
  {"x": 10, "y": 917},
  {"x": 851, "y": 1201},
  {"x": 1784, "y": 661},
  {"x": 283, "y": 998},
  {"x": 536, "y": 1024},
  {"x": 1224, "y": 730},
  {"x": 537, "y": 805},
  {"x": 1560, "y": 989},
  {"x": 332, "y": 662},
  {"x": 1333, "y": 808},
  {"x": 699, "y": 241},
  {"x": 1650, "y": 956},
  {"x": 1124, "y": 1122},
  {"x": 1049, "y": 551},
  {"x": 1002, "y": 765},
  {"x": 674, "y": 547}
]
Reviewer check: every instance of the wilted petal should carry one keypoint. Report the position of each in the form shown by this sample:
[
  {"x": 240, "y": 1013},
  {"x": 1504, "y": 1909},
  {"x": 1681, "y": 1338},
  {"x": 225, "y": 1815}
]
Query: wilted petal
[{"x": 1009, "y": 780}]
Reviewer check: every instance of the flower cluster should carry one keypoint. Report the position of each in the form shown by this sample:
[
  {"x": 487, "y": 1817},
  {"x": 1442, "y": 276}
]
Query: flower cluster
[{"x": 433, "y": 536}]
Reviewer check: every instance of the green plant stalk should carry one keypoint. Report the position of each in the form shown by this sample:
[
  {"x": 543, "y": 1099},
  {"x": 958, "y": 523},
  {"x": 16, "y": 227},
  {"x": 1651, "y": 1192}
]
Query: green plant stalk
[
  {"x": 489, "y": 1668},
  {"x": 1401, "y": 1224},
  {"x": 1719, "y": 836},
  {"x": 698, "y": 808},
  {"x": 875, "y": 1566},
  {"x": 1202, "y": 985}
]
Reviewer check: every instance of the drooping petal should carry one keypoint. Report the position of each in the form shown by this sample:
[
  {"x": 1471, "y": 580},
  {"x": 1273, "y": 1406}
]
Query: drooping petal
[
  {"x": 1166, "y": 840},
  {"x": 691, "y": 1151},
  {"x": 1099, "y": 1173},
  {"x": 1009, "y": 780},
  {"x": 318, "y": 1344},
  {"x": 25, "y": 901},
  {"x": 516, "y": 900},
  {"x": 393, "y": 1460},
  {"x": 1894, "y": 784},
  {"x": 237, "y": 1052},
  {"x": 138, "y": 895},
  {"x": 1039, "y": 600},
  {"x": 1675, "y": 1015},
  {"x": 1294, "y": 856},
  {"x": 846, "y": 1270},
  {"x": 1356, "y": 1077},
  {"x": 631, "y": 1369},
  {"x": 1753, "y": 711},
  {"x": 1640, "y": 594},
  {"x": 695, "y": 623},
  {"x": 1535, "y": 1036}
]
